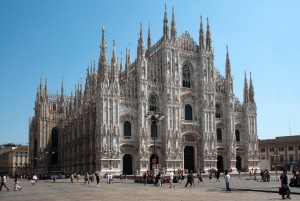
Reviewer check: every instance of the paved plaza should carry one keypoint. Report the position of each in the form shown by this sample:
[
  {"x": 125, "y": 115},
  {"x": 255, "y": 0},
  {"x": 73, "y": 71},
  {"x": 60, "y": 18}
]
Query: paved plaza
[{"x": 62, "y": 190}]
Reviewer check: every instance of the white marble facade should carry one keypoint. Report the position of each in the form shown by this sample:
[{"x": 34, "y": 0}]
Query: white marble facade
[{"x": 104, "y": 126}]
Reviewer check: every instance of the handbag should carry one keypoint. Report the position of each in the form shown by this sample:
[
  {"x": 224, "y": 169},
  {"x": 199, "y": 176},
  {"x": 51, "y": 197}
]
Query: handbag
[{"x": 282, "y": 191}]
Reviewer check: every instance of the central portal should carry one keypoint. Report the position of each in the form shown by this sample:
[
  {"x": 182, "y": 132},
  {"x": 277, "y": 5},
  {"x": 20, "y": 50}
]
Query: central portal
[
  {"x": 189, "y": 158},
  {"x": 127, "y": 164}
]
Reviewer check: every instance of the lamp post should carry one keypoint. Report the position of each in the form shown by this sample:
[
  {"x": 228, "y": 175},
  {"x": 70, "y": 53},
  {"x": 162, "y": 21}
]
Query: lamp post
[
  {"x": 275, "y": 156},
  {"x": 155, "y": 116}
]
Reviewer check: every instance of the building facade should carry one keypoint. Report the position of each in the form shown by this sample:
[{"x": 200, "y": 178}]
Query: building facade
[
  {"x": 170, "y": 108},
  {"x": 14, "y": 160},
  {"x": 281, "y": 152}
]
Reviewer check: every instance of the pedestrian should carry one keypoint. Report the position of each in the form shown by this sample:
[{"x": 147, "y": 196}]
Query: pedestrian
[
  {"x": 72, "y": 178},
  {"x": 199, "y": 177},
  {"x": 171, "y": 179},
  {"x": 34, "y": 180},
  {"x": 97, "y": 174},
  {"x": 109, "y": 178},
  {"x": 181, "y": 177},
  {"x": 210, "y": 174},
  {"x": 145, "y": 175},
  {"x": 17, "y": 182},
  {"x": 239, "y": 171},
  {"x": 227, "y": 180},
  {"x": 254, "y": 174},
  {"x": 284, "y": 184},
  {"x": 189, "y": 180},
  {"x": 193, "y": 178},
  {"x": 77, "y": 177},
  {"x": 3, "y": 182},
  {"x": 121, "y": 176},
  {"x": 218, "y": 175},
  {"x": 158, "y": 179},
  {"x": 86, "y": 178}
]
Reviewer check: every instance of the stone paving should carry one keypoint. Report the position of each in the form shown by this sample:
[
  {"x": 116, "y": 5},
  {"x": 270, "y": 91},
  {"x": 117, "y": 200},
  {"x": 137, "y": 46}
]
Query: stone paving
[{"x": 62, "y": 190}]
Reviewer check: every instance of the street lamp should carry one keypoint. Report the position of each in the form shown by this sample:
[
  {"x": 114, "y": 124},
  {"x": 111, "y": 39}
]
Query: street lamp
[
  {"x": 275, "y": 165},
  {"x": 154, "y": 116}
]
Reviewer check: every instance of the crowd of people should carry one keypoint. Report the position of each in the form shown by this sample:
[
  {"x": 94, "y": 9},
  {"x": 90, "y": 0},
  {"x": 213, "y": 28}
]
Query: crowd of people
[{"x": 160, "y": 178}]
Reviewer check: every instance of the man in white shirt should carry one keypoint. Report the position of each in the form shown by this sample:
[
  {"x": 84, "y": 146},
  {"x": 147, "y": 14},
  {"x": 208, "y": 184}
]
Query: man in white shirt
[
  {"x": 227, "y": 180},
  {"x": 3, "y": 182},
  {"x": 171, "y": 179}
]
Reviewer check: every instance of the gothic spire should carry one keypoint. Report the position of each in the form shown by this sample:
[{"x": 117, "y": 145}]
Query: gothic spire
[
  {"x": 114, "y": 64},
  {"x": 41, "y": 86},
  {"x": 140, "y": 49},
  {"x": 251, "y": 90},
  {"x": 173, "y": 26},
  {"x": 62, "y": 92},
  {"x": 166, "y": 28},
  {"x": 121, "y": 64},
  {"x": 46, "y": 89},
  {"x": 246, "y": 94},
  {"x": 127, "y": 62},
  {"x": 201, "y": 35},
  {"x": 228, "y": 66},
  {"x": 208, "y": 37},
  {"x": 149, "y": 37},
  {"x": 103, "y": 64}
]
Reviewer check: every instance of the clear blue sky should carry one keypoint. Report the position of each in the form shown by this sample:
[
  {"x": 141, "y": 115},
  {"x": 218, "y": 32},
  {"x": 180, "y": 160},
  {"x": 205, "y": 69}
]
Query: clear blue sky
[{"x": 55, "y": 39}]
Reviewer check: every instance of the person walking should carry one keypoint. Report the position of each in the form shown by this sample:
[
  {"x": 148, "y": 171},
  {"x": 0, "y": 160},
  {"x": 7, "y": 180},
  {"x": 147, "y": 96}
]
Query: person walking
[
  {"x": 193, "y": 178},
  {"x": 17, "y": 181},
  {"x": 3, "y": 182},
  {"x": 86, "y": 178},
  {"x": 189, "y": 179},
  {"x": 171, "y": 179},
  {"x": 159, "y": 179},
  {"x": 199, "y": 177},
  {"x": 284, "y": 184},
  {"x": 72, "y": 178},
  {"x": 97, "y": 174},
  {"x": 218, "y": 175},
  {"x": 227, "y": 180},
  {"x": 34, "y": 180},
  {"x": 145, "y": 176}
]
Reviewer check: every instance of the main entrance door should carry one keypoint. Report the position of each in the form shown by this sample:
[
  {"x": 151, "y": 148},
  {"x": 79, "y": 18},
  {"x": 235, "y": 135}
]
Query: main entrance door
[
  {"x": 220, "y": 166},
  {"x": 189, "y": 158},
  {"x": 127, "y": 164}
]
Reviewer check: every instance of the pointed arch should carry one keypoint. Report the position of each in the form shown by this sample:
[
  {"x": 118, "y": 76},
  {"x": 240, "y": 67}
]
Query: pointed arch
[
  {"x": 218, "y": 110},
  {"x": 186, "y": 76},
  {"x": 153, "y": 102},
  {"x": 219, "y": 134},
  {"x": 127, "y": 130},
  {"x": 188, "y": 111},
  {"x": 237, "y": 135}
]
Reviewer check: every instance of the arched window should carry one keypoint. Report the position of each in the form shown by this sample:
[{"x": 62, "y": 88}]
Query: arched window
[
  {"x": 186, "y": 76},
  {"x": 219, "y": 134},
  {"x": 54, "y": 135},
  {"x": 218, "y": 111},
  {"x": 153, "y": 103},
  {"x": 127, "y": 130},
  {"x": 237, "y": 135},
  {"x": 188, "y": 112},
  {"x": 153, "y": 130},
  {"x": 54, "y": 107}
]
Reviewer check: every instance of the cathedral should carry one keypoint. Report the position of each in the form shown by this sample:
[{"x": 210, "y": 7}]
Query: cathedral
[{"x": 170, "y": 108}]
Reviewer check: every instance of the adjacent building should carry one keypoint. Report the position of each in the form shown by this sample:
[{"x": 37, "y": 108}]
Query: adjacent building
[
  {"x": 14, "y": 160},
  {"x": 169, "y": 108},
  {"x": 281, "y": 152}
]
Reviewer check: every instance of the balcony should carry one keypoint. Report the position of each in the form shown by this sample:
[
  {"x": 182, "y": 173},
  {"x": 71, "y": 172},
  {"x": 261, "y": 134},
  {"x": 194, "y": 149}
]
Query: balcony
[{"x": 189, "y": 125}]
